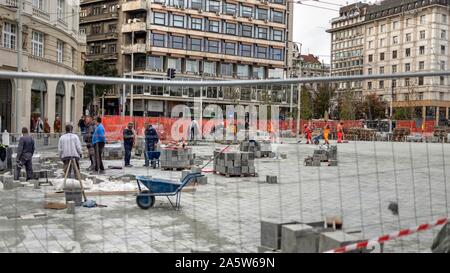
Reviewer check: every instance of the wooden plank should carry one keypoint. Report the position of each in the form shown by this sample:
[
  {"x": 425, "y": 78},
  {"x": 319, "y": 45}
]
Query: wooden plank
[{"x": 110, "y": 193}]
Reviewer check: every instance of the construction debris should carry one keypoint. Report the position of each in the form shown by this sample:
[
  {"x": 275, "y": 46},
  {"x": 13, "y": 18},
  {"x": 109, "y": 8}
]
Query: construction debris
[
  {"x": 234, "y": 163},
  {"x": 56, "y": 206}
]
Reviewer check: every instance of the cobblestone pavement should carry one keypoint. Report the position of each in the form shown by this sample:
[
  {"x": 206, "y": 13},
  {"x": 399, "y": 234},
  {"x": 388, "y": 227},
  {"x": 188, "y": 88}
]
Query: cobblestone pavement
[{"x": 225, "y": 214}]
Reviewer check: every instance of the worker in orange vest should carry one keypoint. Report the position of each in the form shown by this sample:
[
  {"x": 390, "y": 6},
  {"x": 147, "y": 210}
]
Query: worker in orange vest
[
  {"x": 340, "y": 132},
  {"x": 308, "y": 134},
  {"x": 326, "y": 133}
]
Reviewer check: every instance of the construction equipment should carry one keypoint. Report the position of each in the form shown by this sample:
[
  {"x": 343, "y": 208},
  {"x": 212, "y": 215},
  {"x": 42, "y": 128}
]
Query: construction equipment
[
  {"x": 145, "y": 198},
  {"x": 77, "y": 173}
]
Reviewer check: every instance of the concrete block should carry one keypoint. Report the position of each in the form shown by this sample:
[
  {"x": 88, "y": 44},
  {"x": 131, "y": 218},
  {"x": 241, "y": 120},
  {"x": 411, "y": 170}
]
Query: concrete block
[
  {"x": 202, "y": 180},
  {"x": 299, "y": 238},
  {"x": 272, "y": 154},
  {"x": 271, "y": 179},
  {"x": 332, "y": 163},
  {"x": 316, "y": 163},
  {"x": 36, "y": 184},
  {"x": 8, "y": 182},
  {"x": 332, "y": 240},
  {"x": 283, "y": 156},
  {"x": 71, "y": 207},
  {"x": 22, "y": 179},
  {"x": 264, "y": 249},
  {"x": 258, "y": 154},
  {"x": 271, "y": 232},
  {"x": 184, "y": 173}
]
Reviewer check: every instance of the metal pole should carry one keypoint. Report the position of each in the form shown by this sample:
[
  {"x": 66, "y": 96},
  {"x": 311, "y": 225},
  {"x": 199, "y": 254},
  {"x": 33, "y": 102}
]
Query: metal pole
[
  {"x": 298, "y": 111},
  {"x": 124, "y": 100},
  {"x": 391, "y": 108},
  {"x": 132, "y": 73},
  {"x": 93, "y": 99},
  {"x": 19, "y": 65},
  {"x": 103, "y": 105}
]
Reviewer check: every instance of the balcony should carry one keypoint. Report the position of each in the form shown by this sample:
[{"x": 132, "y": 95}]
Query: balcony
[
  {"x": 99, "y": 17},
  {"x": 136, "y": 48},
  {"x": 102, "y": 56},
  {"x": 83, "y": 2},
  {"x": 103, "y": 36},
  {"x": 134, "y": 27},
  {"x": 134, "y": 5}
]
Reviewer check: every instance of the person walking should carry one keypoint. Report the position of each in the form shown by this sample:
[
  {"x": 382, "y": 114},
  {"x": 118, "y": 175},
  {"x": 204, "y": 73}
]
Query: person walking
[
  {"x": 82, "y": 125},
  {"x": 99, "y": 141},
  {"x": 87, "y": 138},
  {"x": 326, "y": 134},
  {"x": 39, "y": 127},
  {"x": 151, "y": 139},
  {"x": 340, "y": 132},
  {"x": 47, "y": 129},
  {"x": 57, "y": 125},
  {"x": 194, "y": 128},
  {"x": 25, "y": 151},
  {"x": 128, "y": 143},
  {"x": 308, "y": 134},
  {"x": 69, "y": 148}
]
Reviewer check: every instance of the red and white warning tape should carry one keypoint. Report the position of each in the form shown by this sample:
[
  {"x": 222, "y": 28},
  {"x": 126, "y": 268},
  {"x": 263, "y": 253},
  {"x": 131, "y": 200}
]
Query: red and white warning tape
[{"x": 389, "y": 237}]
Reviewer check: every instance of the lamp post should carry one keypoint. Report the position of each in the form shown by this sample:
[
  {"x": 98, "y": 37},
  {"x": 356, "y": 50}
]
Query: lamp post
[{"x": 132, "y": 70}]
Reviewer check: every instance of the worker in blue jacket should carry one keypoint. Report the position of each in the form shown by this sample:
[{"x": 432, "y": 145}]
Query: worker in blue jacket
[
  {"x": 99, "y": 141},
  {"x": 151, "y": 139}
]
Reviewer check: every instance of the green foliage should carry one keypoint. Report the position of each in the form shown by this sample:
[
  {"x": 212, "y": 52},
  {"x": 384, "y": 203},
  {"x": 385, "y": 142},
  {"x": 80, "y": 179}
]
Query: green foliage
[
  {"x": 373, "y": 107},
  {"x": 306, "y": 104},
  {"x": 322, "y": 101}
]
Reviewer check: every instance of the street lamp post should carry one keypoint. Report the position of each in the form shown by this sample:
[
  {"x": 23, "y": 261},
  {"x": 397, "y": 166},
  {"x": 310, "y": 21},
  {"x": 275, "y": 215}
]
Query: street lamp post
[
  {"x": 132, "y": 72},
  {"x": 19, "y": 64}
]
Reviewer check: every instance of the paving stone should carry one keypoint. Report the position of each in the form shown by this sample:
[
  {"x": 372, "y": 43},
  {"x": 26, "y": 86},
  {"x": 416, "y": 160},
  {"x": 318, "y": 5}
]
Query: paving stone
[
  {"x": 299, "y": 238},
  {"x": 271, "y": 232}
]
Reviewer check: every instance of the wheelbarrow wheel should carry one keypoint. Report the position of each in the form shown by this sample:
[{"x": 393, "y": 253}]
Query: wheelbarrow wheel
[
  {"x": 144, "y": 201},
  {"x": 316, "y": 141}
]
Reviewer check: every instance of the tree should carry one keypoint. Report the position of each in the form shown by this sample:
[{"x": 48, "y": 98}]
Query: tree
[
  {"x": 305, "y": 104},
  {"x": 347, "y": 106},
  {"x": 322, "y": 101},
  {"x": 374, "y": 107},
  {"x": 403, "y": 114},
  {"x": 97, "y": 68}
]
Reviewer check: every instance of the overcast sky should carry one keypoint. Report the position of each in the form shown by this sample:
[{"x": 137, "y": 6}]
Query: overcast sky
[{"x": 310, "y": 25}]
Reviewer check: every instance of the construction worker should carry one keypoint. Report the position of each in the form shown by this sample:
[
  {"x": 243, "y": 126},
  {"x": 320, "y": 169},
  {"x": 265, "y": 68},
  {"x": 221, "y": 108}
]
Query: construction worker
[
  {"x": 99, "y": 141},
  {"x": 25, "y": 151},
  {"x": 87, "y": 137},
  {"x": 326, "y": 134},
  {"x": 308, "y": 134},
  {"x": 340, "y": 133},
  {"x": 69, "y": 148},
  {"x": 151, "y": 139},
  {"x": 128, "y": 143}
]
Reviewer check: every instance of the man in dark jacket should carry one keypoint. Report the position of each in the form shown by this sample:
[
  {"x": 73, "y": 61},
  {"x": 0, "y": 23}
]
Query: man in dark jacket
[
  {"x": 87, "y": 138},
  {"x": 151, "y": 139},
  {"x": 128, "y": 143},
  {"x": 25, "y": 152}
]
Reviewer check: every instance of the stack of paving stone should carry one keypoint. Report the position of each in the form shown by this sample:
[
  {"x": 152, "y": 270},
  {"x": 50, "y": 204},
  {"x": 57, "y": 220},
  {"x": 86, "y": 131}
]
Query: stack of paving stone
[
  {"x": 176, "y": 158},
  {"x": 234, "y": 163},
  {"x": 442, "y": 133},
  {"x": 259, "y": 149},
  {"x": 399, "y": 134},
  {"x": 361, "y": 134},
  {"x": 113, "y": 151},
  {"x": 323, "y": 155}
]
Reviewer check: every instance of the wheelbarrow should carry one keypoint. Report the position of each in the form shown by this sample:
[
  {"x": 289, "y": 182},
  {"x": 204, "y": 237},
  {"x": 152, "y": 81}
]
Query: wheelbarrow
[
  {"x": 149, "y": 188},
  {"x": 153, "y": 157},
  {"x": 316, "y": 139}
]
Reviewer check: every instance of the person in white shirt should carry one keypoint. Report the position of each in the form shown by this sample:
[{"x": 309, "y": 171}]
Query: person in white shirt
[{"x": 69, "y": 147}]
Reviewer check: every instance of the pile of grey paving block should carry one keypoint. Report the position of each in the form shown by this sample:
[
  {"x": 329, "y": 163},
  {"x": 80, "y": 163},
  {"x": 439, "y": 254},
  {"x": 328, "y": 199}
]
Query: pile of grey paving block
[
  {"x": 176, "y": 158},
  {"x": 271, "y": 179},
  {"x": 234, "y": 163},
  {"x": 322, "y": 155},
  {"x": 258, "y": 148},
  {"x": 295, "y": 237},
  {"x": 199, "y": 180}
]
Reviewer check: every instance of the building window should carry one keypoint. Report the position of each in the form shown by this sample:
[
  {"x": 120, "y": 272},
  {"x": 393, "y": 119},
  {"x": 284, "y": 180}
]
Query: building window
[
  {"x": 197, "y": 4},
  {"x": 408, "y": 52},
  {"x": 444, "y": 18},
  {"x": 370, "y": 44},
  {"x": 263, "y": 14},
  {"x": 214, "y": 6},
  {"x": 243, "y": 71},
  {"x": 370, "y": 58},
  {"x": 422, "y": 35},
  {"x": 408, "y": 22},
  {"x": 421, "y": 65},
  {"x": 246, "y": 50},
  {"x": 154, "y": 63},
  {"x": 9, "y": 35},
  {"x": 382, "y": 56},
  {"x": 59, "y": 51},
  {"x": 278, "y": 17},
  {"x": 277, "y": 54},
  {"x": 262, "y": 33},
  {"x": 231, "y": 28},
  {"x": 408, "y": 37},
  {"x": 196, "y": 23},
  {"x": 381, "y": 84},
  {"x": 178, "y": 42},
  {"x": 39, "y": 4},
  {"x": 442, "y": 82},
  {"x": 174, "y": 63},
  {"x": 196, "y": 44},
  {"x": 277, "y": 35},
  {"x": 394, "y": 84},
  {"x": 407, "y": 82},
  {"x": 395, "y": 40},
  {"x": 262, "y": 52},
  {"x": 381, "y": 42},
  {"x": 394, "y": 54},
  {"x": 394, "y": 69},
  {"x": 382, "y": 28},
  {"x": 214, "y": 26},
  {"x": 112, "y": 48},
  {"x": 159, "y": 18},
  {"x": 226, "y": 69},
  {"x": 422, "y": 50},
  {"x": 191, "y": 66},
  {"x": 213, "y": 46},
  {"x": 158, "y": 40},
  {"x": 247, "y": 31},
  {"x": 96, "y": 29},
  {"x": 421, "y": 82},
  {"x": 407, "y": 67},
  {"x": 230, "y": 9},
  {"x": 258, "y": 72},
  {"x": 37, "y": 44},
  {"x": 369, "y": 71},
  {"x": 178, "y": 21},
  {"x": 73, "y": 57},
  {"x": 209, "y": 68},
  {"x": 60, "y": 9},
  {"x": 443, "y": 49},
  {"x": 230, "y": 48},
  {"x": 395, "y": 25},
  {"x": 369, "y": 85},
  {"x": 381, "y": 70},
  {"x": 442, "y": 64},
  {"x": 247, "y": 11},
  {"x": 422, "y": 19}
]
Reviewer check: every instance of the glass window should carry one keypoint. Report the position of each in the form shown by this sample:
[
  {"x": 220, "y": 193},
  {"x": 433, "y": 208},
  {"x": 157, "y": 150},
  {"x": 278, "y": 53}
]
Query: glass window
[
  {"x": 59, "y": 51},
  {"x": 191, "y": 66},
  {"x": 277, "y": 35},
  {"x": 178, "y": 21},
  {"x": 178, "y": 42},
  {"x": 231, "y": 28},
  {"x": 174, "y": 63},
  {"x": 196, "y": 23},
  {"x": 278, "y": 16},
  {"x": 37, "y": 44},
  {"x": 262, "y": 33},
  {"x": 394, "y": 69},
  {"x": 196, "y": 4},
  {"x": 230, "y": 9},
  {"x": 394, "y": 54},
  {"x": 196, "y": 44},
  {"x": 246, "y": 50},
  {"x": 263, "y": 14},
  {"x": 422, "y": 50},
  {"x": 214, "y": 26},
  {"x": 408, "y": 52},
  {"x": 407, "y": 67},
  {"x": 382, "y": 56},
  {"x": 421, "y": 65},
  {"x": 9, "y": 35},
  {"x": 262, "y": 52},
  {"x": 443, "y": 34},
  {"x": 247, "y": 31},
  {"x": 230, "y": 48},
  {"x": 226, "y": 69},
  {"x": 159, "y": 18},
  {"x": 39, "y": 4},
  {"x": 213, "y": 46},
  {"x": 247, "y": 11},
  {"x": 60, "y": 9},
  {"x": 209, "y": 68},
  {"x": 258, "y": 72},
  {"x": 422, "y": 34},
  {"x": 214, "y": 6},
  {"x": 158, "y": 40},
  {"x": 395, "y": 40},
  {"x": 408, "y": 37},
  {"x": 277, "y": 54},
  {"x": 243, "y": 71}
]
